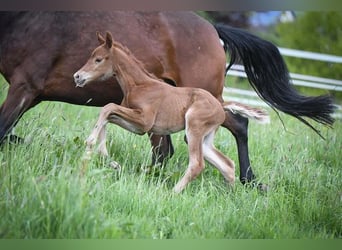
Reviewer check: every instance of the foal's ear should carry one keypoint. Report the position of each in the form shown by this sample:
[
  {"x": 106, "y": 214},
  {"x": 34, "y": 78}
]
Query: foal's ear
[
  {"x": 109, "y": 39},
  {"x": 100, "y": 38}
]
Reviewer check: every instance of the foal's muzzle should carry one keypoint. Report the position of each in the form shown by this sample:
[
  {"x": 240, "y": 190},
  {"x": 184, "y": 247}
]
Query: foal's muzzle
[{"x": 80, "y": 81}]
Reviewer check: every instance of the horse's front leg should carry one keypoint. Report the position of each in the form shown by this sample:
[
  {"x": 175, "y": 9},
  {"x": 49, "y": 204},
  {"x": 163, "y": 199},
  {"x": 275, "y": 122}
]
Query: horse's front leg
[
  {"x": 20, "y": 98},
  {"x": 162, "y": 148}
]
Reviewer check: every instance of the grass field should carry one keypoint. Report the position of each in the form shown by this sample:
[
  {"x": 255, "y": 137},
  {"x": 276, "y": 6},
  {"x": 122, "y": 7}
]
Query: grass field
[{"x": 44, "y": 195}]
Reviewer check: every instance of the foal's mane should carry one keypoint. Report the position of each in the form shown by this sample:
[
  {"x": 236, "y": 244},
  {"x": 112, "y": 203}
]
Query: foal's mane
[{"x": 132, "y": 56}]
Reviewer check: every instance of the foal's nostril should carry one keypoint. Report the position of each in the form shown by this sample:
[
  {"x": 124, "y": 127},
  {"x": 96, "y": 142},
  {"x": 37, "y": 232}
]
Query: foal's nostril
[{"x": 76, "y": 76}]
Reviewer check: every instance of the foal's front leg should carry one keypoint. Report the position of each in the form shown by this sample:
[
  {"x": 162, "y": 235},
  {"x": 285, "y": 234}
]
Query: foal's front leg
[
  {"x": 133, "y": 120},
  {"x": 102, "y": 144},
  {"x": 98, "y": 131},
  {"x": 138, "y": 121}
]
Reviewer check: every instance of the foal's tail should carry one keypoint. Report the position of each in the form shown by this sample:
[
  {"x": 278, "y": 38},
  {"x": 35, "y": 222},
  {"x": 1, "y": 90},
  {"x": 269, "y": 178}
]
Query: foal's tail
[
  {"x": 268, "y": 75},
  {"x": 259, "y": 115}
]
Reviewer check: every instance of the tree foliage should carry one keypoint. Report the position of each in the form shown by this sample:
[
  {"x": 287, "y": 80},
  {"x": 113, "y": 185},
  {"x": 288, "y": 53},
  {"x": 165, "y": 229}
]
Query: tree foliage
[{"x": 316, "y": 32}]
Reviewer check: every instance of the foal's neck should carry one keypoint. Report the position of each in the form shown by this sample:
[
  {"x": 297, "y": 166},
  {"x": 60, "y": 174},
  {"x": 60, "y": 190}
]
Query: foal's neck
[
  {"x": 129, "y": 70},
  {"x": 125, "y": 80}
]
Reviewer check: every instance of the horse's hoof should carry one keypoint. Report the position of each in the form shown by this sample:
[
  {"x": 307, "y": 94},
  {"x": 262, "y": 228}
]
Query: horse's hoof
[
  {"x": 14, "y": 139},
  {"x": 114, "y": 165},
  {"x": 263, "y": 188}
]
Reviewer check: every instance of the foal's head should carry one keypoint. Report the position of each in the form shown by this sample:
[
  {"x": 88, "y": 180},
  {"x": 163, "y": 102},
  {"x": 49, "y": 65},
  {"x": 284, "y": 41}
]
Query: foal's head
[{"x": 99, "y": 65}]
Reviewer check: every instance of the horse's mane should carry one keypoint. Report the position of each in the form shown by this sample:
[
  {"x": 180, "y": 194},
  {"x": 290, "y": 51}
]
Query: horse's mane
[{"x": 136, "y": 60}]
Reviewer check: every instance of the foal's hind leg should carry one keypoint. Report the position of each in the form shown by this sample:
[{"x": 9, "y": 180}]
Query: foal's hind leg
[
  {"x": 196, "y": 161},
  {"x": 194, "y": 131},
  {"x": 196, "y": 128},
  {"x": 222, "y": 163}
]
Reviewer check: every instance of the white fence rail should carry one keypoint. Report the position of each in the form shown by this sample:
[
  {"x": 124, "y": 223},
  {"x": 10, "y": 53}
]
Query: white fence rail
[
  {"x": 298, "y": 79},
  {"x": 310, "y": 55},
  {"x": 251, "y": 98}
]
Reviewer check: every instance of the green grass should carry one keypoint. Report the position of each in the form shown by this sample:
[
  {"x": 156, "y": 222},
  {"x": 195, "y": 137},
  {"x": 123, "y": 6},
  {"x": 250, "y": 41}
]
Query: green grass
[{"x": 43, "y": 193}]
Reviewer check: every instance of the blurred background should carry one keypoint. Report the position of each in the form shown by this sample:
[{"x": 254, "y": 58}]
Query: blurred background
[{"x": 310, "y": 42}]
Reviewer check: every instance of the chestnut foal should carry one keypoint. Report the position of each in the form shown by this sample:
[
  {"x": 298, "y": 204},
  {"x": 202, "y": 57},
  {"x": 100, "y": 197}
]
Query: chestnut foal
[{"x": 151, "y": 105}]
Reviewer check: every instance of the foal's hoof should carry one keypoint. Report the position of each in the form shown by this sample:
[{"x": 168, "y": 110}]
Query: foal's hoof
[{"x": 90, "y": 142}]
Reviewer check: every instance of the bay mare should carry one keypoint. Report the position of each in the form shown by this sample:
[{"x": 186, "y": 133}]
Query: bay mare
[
  {"x": 150, "y": 105},
  {"x": 40, "y": 51}
]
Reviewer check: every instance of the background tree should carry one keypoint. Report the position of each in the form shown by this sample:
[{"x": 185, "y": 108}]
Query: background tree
[{"x": 317, "y": 32}]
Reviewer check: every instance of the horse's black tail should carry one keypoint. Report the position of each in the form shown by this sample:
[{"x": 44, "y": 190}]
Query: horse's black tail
[{"x": 269, "y": 76}]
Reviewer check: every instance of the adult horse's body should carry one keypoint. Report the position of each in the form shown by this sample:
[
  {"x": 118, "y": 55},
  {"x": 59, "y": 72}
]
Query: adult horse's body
[{"x": 40, "y": 51}]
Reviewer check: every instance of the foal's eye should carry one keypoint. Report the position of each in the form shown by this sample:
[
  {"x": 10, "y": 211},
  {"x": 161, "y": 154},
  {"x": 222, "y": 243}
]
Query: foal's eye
[{"x": 98, "y": 60}]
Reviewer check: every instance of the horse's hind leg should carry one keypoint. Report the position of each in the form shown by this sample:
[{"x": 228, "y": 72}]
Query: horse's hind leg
[
  {"x": 238, "y": 126},
  {"x": 19, "y": 99},
  {"x": 222, "y": 163}
]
